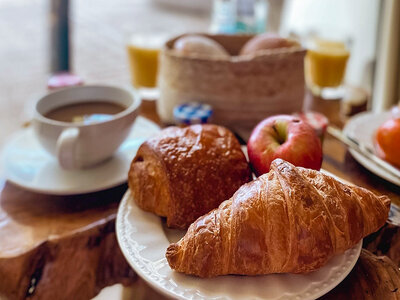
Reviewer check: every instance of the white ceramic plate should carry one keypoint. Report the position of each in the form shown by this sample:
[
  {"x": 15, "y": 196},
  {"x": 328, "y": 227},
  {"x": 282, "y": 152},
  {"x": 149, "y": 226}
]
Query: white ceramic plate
[
  {"x": 27, "y": 165},
  {"x": 363, "y": 127},
  {"x": 144, "y": 238}
]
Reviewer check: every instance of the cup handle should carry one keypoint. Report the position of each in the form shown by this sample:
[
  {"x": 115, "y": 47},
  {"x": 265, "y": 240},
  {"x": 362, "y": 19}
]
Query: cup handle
[{"x": 66, "y": 148}]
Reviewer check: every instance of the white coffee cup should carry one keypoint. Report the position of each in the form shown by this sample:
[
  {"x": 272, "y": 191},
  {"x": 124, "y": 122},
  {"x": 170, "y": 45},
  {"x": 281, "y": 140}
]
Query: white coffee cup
[{"x": 80, "y": 145}]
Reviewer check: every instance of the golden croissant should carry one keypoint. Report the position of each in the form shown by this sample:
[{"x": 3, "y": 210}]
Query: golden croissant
[{"x": 290, "y": 220}]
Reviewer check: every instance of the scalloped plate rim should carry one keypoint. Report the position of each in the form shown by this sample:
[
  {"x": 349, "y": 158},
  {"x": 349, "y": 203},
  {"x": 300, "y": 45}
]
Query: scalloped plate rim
[{"x": 135, "y": 263}]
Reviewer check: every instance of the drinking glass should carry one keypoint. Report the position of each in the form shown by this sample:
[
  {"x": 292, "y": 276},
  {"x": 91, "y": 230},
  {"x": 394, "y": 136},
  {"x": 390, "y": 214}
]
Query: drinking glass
[
  {"x": 325, "y": 66},
  {"x": 143, "y": 54}
]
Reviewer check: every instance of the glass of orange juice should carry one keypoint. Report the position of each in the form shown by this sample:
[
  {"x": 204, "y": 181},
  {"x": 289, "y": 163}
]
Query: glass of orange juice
[
  {"x": 143, "y": 52},
  {"x": 325, "y": 67}
]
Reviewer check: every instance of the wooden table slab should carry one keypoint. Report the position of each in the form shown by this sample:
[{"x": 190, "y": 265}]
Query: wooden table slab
[{"x": 55, "y": 247}]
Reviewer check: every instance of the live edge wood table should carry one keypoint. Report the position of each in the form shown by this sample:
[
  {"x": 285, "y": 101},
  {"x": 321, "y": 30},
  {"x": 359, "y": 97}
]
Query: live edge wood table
[{"x": 54, "y": 247}]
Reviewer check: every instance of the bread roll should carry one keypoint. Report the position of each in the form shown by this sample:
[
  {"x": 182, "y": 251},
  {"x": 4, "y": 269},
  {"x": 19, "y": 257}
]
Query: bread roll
[
  {"x": 266, "y": 41},
  {"x": 199, "y": 45}
]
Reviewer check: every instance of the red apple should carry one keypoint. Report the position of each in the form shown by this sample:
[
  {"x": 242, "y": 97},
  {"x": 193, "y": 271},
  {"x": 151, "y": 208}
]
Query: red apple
[
  {"x": 285, "y": 137},
  {"x": 387, "y": 141}
]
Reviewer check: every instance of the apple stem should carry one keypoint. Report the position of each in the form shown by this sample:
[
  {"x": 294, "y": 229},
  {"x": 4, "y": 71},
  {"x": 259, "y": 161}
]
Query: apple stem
[{"x": 280, "y": 139}]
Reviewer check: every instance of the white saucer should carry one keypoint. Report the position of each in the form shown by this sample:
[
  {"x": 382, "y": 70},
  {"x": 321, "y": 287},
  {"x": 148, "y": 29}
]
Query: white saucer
[{"x": 27, "y": 165}]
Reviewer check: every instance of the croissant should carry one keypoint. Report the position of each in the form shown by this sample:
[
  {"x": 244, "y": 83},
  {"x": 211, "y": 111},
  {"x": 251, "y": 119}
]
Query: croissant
[
  {"x": 183, "y": 173},
  {"x": 290, "y": 220}
]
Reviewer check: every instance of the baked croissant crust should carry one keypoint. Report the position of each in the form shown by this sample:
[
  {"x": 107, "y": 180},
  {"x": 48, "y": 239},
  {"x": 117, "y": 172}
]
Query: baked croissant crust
[
  {"x": 290, "y": 220},
  {"x": 183, "y": 173}
]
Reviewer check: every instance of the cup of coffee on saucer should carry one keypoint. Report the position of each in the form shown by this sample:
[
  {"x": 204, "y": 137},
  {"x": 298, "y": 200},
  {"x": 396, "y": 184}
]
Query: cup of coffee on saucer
[{"x": 83, "y": 126}]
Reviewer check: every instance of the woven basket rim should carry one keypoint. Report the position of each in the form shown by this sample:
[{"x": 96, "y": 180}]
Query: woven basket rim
[{"x": 259, "y": 56}]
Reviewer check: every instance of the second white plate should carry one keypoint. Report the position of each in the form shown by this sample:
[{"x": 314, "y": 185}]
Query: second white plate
[
  {"x": 144, "y": 238},
  {"x": 363, "y": 127}
]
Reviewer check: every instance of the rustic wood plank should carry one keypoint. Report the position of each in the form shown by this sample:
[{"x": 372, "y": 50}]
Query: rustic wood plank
[
  {"x": 372, "y": 278},
  {"x": 55, "y": 247}
]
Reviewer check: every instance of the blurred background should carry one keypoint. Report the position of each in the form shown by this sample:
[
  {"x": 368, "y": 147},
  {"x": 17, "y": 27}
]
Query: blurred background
[{"x": 99, "y": 30}]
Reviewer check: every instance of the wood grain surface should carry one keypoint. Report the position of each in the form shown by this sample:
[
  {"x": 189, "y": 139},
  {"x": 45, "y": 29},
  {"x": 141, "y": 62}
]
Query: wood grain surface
[
  {"x": 372, "y": 278},
  {"x": 56, "y": 247}
]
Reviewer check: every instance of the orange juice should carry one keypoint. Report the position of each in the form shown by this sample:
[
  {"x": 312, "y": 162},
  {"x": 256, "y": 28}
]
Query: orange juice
[
  {"x": 325, "y": 63},
  {"x": 144, "y": 65}
]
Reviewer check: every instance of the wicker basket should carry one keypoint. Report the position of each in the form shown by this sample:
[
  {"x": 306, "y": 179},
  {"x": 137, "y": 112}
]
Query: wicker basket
[{"x": 242, "y": 90}]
